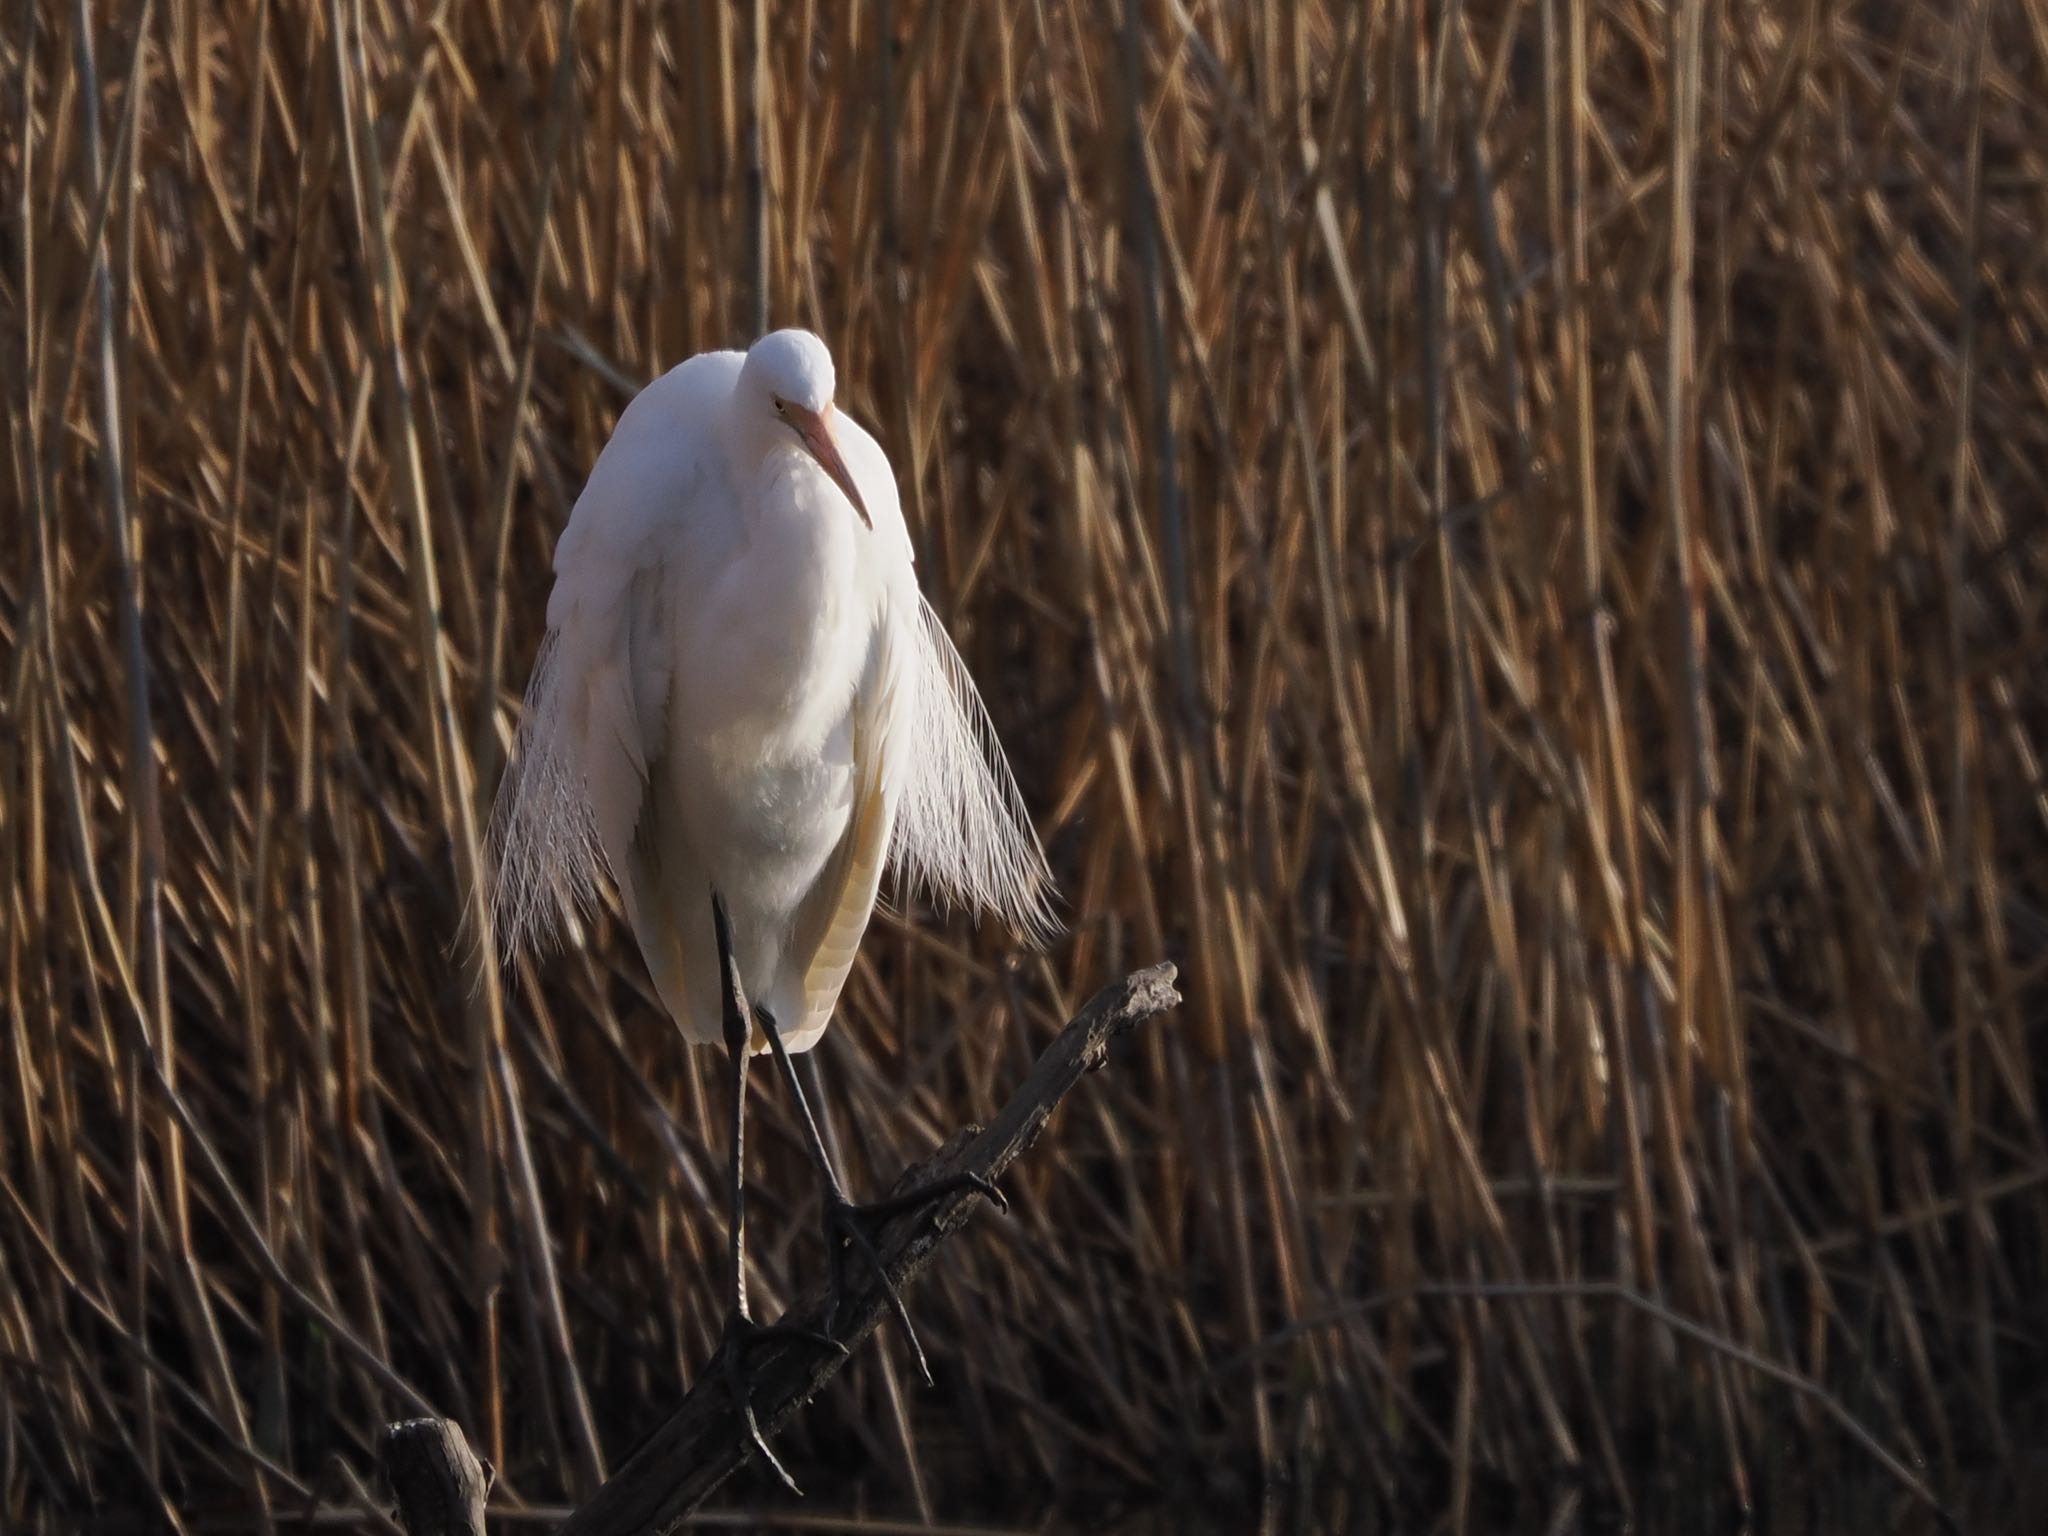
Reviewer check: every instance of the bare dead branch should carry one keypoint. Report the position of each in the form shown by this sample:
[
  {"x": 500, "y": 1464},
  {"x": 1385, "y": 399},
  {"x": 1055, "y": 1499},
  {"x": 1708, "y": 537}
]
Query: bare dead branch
[
  {"x": 435, "y": 1477},
  {"x": 700, "y": 1446}
]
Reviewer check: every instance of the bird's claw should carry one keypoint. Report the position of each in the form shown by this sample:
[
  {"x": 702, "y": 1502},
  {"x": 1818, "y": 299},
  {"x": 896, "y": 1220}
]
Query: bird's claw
[
  {"x": 986, "y": 1188},
  {"x": 853, "y": 1227},
  {"x": 847, "y": 1226},
  {"x": 939, "y": 1189},
  {"x": 742, "y": 1336},
  {"x": 753, "y": 1335}
]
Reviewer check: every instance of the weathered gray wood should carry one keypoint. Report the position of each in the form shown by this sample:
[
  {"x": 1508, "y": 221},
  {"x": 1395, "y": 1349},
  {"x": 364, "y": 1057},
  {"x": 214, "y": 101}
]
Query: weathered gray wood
[
  {"x": 701, "y": 1444},
  {"x": 436, "y": 1478}
]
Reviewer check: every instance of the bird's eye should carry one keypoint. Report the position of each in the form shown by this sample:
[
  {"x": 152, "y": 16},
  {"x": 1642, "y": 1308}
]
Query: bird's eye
[{"x": 780, "y": 405}]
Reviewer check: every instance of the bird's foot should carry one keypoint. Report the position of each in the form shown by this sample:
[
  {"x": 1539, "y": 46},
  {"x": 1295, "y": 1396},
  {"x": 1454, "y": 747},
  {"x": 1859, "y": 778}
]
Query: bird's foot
[
  {"x": 851, "y": 1229},
  {"x": 735, "y": 1358}
]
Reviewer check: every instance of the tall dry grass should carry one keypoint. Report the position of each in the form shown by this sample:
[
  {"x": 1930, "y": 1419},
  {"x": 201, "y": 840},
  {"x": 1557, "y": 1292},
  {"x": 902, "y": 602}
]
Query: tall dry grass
[{"x": 1507, "y": 536}]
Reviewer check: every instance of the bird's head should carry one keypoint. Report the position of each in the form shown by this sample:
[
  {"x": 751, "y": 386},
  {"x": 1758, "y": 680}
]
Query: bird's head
[{"x": 786, "y": 385}]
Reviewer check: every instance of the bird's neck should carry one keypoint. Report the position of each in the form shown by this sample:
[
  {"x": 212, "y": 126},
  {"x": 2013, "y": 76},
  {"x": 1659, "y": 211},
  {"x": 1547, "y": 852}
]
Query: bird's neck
[
  {"x": 799, "y": 518},
  {"x": 802, "y": 633}
]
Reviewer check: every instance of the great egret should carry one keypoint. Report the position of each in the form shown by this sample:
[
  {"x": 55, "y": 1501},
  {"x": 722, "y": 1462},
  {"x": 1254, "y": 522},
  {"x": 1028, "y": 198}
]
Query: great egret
[{"x": 745, "y": 706}]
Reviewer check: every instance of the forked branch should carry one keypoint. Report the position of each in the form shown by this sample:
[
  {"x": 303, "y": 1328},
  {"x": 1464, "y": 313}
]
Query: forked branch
[{"x": 701, "y": 1444}]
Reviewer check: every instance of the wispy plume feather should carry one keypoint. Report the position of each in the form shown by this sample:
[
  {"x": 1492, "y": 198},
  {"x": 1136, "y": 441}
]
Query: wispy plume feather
[
  {"x": 961, "y": 828},
  {"x": 546, "y": 864}
]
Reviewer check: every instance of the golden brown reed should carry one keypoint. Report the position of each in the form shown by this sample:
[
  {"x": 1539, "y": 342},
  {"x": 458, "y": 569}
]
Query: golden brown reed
[{"x": 1505, "y": 536}]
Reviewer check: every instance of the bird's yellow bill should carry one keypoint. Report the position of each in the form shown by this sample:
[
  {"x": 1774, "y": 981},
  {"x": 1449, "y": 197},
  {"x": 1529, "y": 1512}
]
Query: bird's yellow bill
[{"x": 815, "y": 430}]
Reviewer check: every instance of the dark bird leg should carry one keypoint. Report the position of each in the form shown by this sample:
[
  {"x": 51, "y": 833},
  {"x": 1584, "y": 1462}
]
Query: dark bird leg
[
  {"x": 742, "y": 1333},
  {"x": 850, "y": 1227}
]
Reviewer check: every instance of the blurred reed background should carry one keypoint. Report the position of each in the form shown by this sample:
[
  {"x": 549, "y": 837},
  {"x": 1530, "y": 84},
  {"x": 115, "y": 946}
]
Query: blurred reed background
[{"x": 1506, "y": 536}]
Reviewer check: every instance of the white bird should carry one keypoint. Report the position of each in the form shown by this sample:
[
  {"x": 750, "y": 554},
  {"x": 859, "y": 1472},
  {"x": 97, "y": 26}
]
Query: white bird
[{"x": 743, "y": 698}]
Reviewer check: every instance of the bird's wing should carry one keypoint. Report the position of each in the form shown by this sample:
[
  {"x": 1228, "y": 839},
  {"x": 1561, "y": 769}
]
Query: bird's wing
[
  {"x": 960, "y": 828},
  {"x": 657, "y": 507},
  {"x": 835, "y": 913}
]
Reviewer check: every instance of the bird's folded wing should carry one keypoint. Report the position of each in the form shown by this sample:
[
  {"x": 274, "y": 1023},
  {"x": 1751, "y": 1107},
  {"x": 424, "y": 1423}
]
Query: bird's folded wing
[
  {"x": 644, "y": 536},
  {"x": 835, "y": 914}
]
